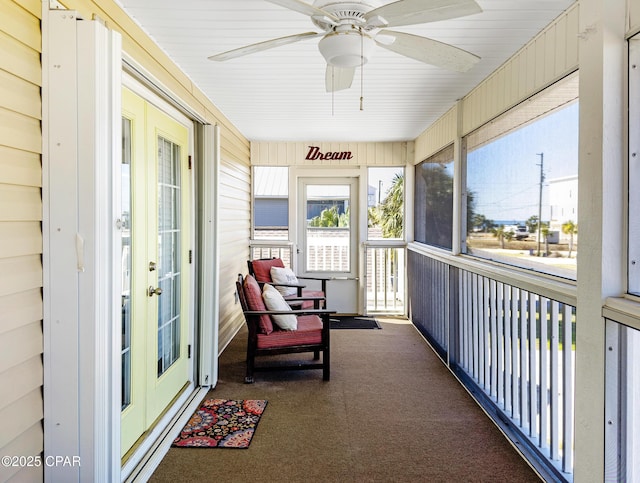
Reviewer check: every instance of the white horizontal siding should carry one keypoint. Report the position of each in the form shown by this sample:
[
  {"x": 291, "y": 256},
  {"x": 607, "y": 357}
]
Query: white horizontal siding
[
  {"x": 28, "y": 443},
  {"x": 19, "y": 309},
  {"x": 19, "y": 167},
  {"x": 19, "y": 417},
  {"x": 21, "y": 345},
  {"x": 20, "y": 238},
  {"x": 235, "y": 221},
  {"x": 20, "y": 203}
]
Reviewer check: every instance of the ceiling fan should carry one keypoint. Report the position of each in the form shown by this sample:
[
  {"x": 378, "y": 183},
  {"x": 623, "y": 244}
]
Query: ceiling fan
[{"x": 351, "y": 29}]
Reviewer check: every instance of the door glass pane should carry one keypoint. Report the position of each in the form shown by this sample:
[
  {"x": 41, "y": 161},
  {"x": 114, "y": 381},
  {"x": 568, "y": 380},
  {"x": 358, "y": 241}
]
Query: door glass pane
[
  {"x": 168, "y": 254},
  {"x": 328, "y": 228},
  {"x": 125, "y": 216}
]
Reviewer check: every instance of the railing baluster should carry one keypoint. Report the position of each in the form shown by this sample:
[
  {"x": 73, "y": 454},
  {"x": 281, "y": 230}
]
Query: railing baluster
[
  {"x": 493, "y": 338},
  {"x": 467, "y": 332},
  {"x": 499, "y": 335},
  {"x": 506, "y": 323},
  {"x": 524, "y": 363},
  {"x": 477, "y": 298},
  {"x": 544, "y": 375},
  {"x": 534, "y": 311},
  {"x": 375, "y": 277},
  {"x": 568, "y": 387},
  {"x": 485, "y": 355},
  {"x": 555, "y": 389},
  {"x": 515, "y": 366}
]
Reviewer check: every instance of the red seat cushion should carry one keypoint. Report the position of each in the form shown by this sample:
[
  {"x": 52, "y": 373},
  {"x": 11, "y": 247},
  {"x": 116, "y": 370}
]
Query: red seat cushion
[
  {"x": 253, "y": 294},
  {"x": 262, "y": 268},
  {"x": 309, "y": 332}
]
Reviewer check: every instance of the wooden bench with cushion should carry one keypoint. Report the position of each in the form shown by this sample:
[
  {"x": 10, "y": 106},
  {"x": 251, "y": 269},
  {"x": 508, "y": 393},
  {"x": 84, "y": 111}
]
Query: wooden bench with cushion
[
  {"x": 260, "y": 269},
  {"x": 266, "y": 338}
]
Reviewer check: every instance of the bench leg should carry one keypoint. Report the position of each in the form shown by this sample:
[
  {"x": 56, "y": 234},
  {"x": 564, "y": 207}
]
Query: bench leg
[
  {"x": 248, "y": 379},
  {"x": 326, "y": 366}
]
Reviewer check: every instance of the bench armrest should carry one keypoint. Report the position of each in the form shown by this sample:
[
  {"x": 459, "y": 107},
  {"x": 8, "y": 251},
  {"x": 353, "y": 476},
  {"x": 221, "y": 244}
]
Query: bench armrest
[{"x": 290, "y": 312}]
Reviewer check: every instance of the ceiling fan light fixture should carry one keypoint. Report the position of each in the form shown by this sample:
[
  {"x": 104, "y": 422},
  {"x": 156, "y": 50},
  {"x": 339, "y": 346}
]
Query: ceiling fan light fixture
[{"x": 346, "y": 49}]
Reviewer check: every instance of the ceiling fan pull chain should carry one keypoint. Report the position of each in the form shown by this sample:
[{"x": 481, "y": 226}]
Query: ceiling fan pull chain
[
  {"x": 361, "y": 70},
  {"x": 333, "y": 90}
]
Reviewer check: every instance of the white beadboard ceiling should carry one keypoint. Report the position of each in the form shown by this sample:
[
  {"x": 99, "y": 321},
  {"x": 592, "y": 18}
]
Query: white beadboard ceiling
[{"x": 279, "y": 94}]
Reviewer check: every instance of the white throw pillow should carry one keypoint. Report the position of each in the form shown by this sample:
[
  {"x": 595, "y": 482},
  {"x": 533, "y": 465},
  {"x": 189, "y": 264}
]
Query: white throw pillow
[
  {"x": 274, "y": 301},
  {"x": 284, "y": 275}
]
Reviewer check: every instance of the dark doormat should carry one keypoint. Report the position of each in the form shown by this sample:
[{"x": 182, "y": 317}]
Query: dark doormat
[{"x": 354, "y": 322}]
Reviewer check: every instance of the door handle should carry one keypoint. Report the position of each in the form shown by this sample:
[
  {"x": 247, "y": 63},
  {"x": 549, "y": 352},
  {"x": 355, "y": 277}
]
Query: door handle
[{"x": 153, "y": 290}]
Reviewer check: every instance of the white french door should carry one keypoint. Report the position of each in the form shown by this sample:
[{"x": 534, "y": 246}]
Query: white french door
[
  {"x": 328, "y": 237},
  {"x": 156, "y": 237}
]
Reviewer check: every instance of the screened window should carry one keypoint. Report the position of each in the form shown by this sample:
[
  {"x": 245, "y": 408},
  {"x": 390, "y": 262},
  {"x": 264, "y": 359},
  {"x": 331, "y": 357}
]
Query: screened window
[
  {"x": 634, "y": 168},
  {"x": 271, "y": 203},
  {"x": 433, "y": 218},
  {"x": 522, "y": 183},
  {"x": 623, "y": 384},
  {"x": 385, "y": 203}
]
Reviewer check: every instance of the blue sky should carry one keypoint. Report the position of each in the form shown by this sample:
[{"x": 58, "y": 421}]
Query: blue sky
[{"x": 505, "y": 174}]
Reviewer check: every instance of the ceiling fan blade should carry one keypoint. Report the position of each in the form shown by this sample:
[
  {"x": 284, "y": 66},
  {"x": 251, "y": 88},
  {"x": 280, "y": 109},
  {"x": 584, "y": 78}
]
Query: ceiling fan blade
[
  {"x": 260, "y": 46},
  {"x": 411, "y": 12},
  {"x": 338, "y": 78},
  {"x": 428, "y": 51},
  {"x": 304, "y": 8}
]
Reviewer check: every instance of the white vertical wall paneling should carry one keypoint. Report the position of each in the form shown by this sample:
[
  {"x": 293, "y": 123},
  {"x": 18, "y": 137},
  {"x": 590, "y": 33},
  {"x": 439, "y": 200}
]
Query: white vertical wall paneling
[
  {"x": 210, "y": 295},
  {"x": 601, "y": 174},
  {"x": 438, "y": 135},
  {"x": 61, "y": 395},
  {"x": 81, "y": 342},
  {"x": 545, "y": 59},
  {"x": 532, "y": 68},
  {"x": 99, "y": 151}
]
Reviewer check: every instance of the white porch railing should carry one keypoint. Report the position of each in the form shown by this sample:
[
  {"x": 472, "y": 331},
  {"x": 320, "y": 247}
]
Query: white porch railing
[
  {"x": 385, "y": 276},
  {"x": 511, "y": 342},
  {"x": 385, "y": 272},
  {"x": 272, "y": 249}
]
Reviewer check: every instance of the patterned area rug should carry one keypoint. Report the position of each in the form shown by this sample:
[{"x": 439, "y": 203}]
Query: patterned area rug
[{"x": 222, "y": 423}]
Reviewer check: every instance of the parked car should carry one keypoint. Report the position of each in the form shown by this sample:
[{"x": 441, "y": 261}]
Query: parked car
[{"x": 520, "y": 232}]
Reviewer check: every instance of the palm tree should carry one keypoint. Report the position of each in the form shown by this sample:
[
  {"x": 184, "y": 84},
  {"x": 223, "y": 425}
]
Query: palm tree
[
  {"x": 570, "y": 228},
  {"x": 545, "y": 231},
  {"x": 501, "y": 234},
  {"x": 532, "y": 224},
  {"x": 373, "y": 216},
  {"x": 480, "y": 222},
  {"x": 391, "y": 209},
  {"x": 329, "y": 217}
]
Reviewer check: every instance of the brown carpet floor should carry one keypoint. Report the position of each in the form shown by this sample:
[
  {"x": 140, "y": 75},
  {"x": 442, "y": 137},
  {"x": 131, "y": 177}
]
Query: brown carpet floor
[{"x": 391, "y": 413}]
